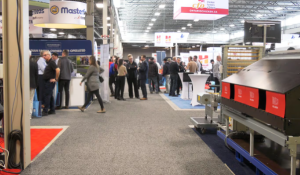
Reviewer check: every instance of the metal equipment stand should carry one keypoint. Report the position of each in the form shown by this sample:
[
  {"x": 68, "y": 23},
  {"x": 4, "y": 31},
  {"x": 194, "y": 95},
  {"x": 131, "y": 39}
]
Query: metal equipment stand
[
  {"x": 204, "y": 123},
  {"x": 286, "y": 141}
]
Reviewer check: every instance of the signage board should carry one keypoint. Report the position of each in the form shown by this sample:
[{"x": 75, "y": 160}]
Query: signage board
[
  {"x": 169, "y": 38},
  {"x": 204, "y": 58},
  {"x": 75, "y": 47},
  {"x": 200, "y": 9},
  {"x": 32, "y": 28},
  {"x": 60, "y": 14}
]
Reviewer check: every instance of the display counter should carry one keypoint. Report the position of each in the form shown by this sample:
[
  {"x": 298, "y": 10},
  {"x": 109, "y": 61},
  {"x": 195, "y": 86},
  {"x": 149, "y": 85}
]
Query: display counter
[
  {"x": 77, "y": 93},
  {"x": 198, "y": 81}
]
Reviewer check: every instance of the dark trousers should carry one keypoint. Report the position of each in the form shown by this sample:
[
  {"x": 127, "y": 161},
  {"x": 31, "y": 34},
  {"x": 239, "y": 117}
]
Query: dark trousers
[
  {"x": 143, "y": 87},
  {"x": 121, "y": 84},
  {"x": 153, "y": 80},
  {"x": 64, "y": 84},
  {"x": 112, "y": 80},
  {"x": 153, "y": 86},
  {"x": 133, "y": 81},
  {"x": 48, "y": 96},
  {"x": 90, "y": 95},
  {"x": 179, "y": 85},
  {"x": 117, "y": 86},
  {"x": 173, "y": 88},
  {"x": 40, "y": 88},
  {"x": 217, "y": 82}
]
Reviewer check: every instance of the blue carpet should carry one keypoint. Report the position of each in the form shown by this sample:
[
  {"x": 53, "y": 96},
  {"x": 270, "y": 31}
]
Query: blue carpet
[
  {"x": 183, "y": 104},
  {"x": 217, "y": 145}
]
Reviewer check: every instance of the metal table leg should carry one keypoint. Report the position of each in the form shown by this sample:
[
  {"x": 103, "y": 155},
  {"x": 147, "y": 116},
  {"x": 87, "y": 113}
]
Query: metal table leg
[
  {"x": 251, "y": 142},
  {"x": 227, "y": 125}
]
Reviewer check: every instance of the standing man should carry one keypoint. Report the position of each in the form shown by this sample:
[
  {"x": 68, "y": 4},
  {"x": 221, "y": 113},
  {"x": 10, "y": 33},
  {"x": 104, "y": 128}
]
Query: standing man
[
  {"x": 153, "y": 73},
  {"x": 41, "y": 85},
  {"x": 159, "y": 68},
  {"x": 181, "y": 69},
  {"x": 174, "y": 69},
  {"x": 33, "y": 80},
  {"x": 51, "y": 75},
  {"x": 66, "y": 68},
  {"x": 198, "y": 63},
  {"x": 216, "y": 72},
  {"x": 55, "y": 57},
  {"x": 132, "y": 77},
  {"x": 143, "y": 75},
  {"x": 192, "y": 66},
  {"x": 166, "y": 75},
  {"x": 112, "y": 77}
]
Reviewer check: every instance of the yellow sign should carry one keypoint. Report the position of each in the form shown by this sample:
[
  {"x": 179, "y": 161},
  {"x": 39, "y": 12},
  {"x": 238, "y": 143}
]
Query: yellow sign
[
  {"x": 199, "y": 97},
  {"x": 199, "y": 5},
  {"x": 54, "y": 10}
]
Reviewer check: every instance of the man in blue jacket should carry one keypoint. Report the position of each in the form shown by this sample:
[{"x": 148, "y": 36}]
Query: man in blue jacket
[
  {"x": 112, "y": 78},
  {"x": 143, "y": 76}
]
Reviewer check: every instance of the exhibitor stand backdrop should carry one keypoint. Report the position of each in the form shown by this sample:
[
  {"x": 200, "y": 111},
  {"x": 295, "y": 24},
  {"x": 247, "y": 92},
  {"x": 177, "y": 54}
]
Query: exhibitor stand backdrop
[{"x": 104, "y": 61}]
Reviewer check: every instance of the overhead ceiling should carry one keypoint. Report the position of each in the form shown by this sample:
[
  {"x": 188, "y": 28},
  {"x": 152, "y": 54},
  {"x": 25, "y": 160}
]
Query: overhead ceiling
[{"x": 137, "y": 15}]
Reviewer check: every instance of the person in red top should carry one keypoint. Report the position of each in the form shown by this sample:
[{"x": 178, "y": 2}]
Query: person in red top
[{"x": 111, "y": 61}]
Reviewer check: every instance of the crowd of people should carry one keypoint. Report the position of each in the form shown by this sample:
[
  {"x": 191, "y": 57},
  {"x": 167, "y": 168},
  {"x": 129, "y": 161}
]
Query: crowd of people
[{"x": 50, "y": 70}]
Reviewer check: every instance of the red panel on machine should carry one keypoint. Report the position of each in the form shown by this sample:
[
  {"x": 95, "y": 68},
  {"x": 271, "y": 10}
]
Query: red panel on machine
[
  {"x": 252, "y": 97},
  {"x": 226, "y": 90},
  {"x": 240, "y": 94},
  {"x": 276, "y": 104}
]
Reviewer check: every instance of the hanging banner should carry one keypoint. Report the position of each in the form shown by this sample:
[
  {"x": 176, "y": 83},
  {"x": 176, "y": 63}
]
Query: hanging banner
[
  {"x": 32, "y": 28},
  {"x": 61, "y": 14},
  {"x": 200, "y": 9},
  {"x": 168, "y": 39}
]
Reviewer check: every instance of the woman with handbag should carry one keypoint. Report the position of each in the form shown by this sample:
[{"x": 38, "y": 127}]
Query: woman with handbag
[
  {"x": 122, "y": 72},
  {"x": 93, "y": 83}
]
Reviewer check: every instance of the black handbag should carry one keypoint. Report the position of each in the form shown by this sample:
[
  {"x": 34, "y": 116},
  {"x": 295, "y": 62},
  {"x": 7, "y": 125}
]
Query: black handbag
[{"x": 101, "y": 79}]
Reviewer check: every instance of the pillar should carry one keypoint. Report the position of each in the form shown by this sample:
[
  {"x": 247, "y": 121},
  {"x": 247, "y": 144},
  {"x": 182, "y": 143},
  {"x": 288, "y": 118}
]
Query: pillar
[
  {"x": 111, "y": 36},
  {"x": 176, "y": 49},
  {"x": 104, "y": 17},
  {"x": 10, "y": 66},
  {"x": 89, "y": 20}
]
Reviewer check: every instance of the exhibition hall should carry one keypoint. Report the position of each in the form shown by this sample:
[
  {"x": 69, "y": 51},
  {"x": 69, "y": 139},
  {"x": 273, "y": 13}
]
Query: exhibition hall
[{"x": 150, "y": 87}]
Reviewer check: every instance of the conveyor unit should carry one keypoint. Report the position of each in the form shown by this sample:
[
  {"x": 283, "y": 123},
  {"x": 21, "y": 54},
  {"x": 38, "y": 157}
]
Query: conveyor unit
[{"x": 268, "y": 91}]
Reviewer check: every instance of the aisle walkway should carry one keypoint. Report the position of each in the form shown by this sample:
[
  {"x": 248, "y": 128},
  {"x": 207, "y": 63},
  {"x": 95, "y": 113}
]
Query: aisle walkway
[{"x": 134, "y": 137}]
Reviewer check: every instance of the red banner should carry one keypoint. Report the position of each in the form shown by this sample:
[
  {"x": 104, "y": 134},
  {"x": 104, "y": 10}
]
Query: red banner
[
  {"x": 240, "y": 94},
  {"x": 226, "y": 90},
  {"x": 252, "y": 97},
  {"x": 276, "y": 104}
]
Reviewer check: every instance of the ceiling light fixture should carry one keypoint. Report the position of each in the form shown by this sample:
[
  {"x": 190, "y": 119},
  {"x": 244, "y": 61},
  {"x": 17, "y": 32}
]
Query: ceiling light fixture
[
  {"x": 156, "y": 14},
  {"x": 231, "y": 25},
  {"x": 146, "y": 30},
  {"x": 162, "y": 6},
  {"x": 108, "y": 18},
  {"x": 148, "y": 27},
  {"x": 99, "y": 5},
  {"x": 53, "y": 30},
  {"x": 178, "y": 31},
  {"x": 108, "y": 25},
  {"x": 151, "y": 24},
  {"x": 278, "y": 8},
  {"x": 189, "y": 24},
  {"x": 243, "y": 21},
  {"x": 153, "y": 19},
  {"x": 61, "y": 33},
  {"x": 147, "y": 46},
  {"x": 259, "y": 15},
  {"x": 222, "y": 29},
  {"x": 196, "y": 20},
  {"x": 214, "y": 31},
  {"x": 183, "y": 28}
]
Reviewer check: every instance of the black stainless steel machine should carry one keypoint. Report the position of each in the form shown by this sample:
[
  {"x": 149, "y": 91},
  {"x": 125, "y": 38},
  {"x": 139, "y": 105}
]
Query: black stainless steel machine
[{"x": 267, "y": 91}]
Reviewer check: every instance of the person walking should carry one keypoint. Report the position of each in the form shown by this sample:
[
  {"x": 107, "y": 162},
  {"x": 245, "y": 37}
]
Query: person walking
[
  {"x": 34, "y": 73},
  {"x": 41, "y": 84},
  {"x": 93, "y": 84},
  {"x": 166, "y": 75},
  {"x": 122, "y": 72},
  {"x": 174, "y": 69},
  {"x": 51, "y": 75},
  {"x": 152, "y": 76},
  {"x": 132, "y": 77},
  {"x": 66, "y": 68},
  {"x": 143, "y": 75}
]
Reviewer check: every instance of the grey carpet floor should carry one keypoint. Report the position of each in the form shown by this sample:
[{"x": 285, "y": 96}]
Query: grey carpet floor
[{"x": 133, "y": 138}]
